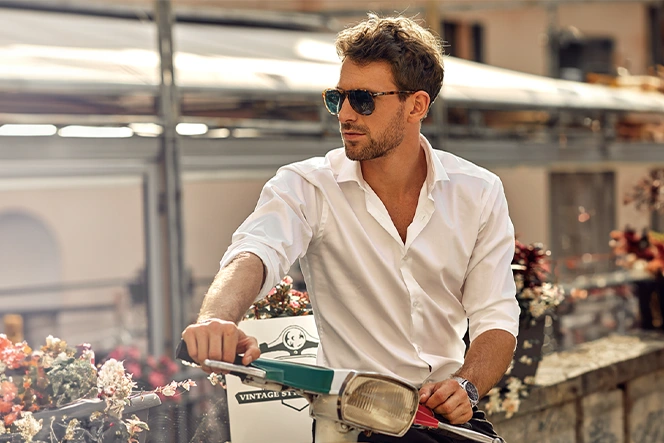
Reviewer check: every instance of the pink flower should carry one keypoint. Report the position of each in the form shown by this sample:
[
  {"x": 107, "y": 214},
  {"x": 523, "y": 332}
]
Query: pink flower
[
  {"x": 8, "y": 390},
  {"x": 156, "y": 379},
  {"x": 133, "y": 368}
]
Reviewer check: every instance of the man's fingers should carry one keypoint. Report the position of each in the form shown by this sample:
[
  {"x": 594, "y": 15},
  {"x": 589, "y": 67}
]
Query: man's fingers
[
  {"x": 426, "y": 391},
  {"x": 192, "y": 346},
  {"x": 249, "y": 347},
  {"x": 215, "y": 351},
  {"x": 229, "y": 341},
  {"x": 443, "y": 391}
]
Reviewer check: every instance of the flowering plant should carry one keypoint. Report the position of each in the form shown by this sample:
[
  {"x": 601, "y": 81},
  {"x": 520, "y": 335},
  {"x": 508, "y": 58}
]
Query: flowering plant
[
  {"x": 281, "y": 301},
  {"x": 536, "y": 296},
  {"x": 149, "y": 373},
  {"x": 642, "y": 252},
  {"x": 58, "y": 376},
  {"x": 648, "y": 193}
]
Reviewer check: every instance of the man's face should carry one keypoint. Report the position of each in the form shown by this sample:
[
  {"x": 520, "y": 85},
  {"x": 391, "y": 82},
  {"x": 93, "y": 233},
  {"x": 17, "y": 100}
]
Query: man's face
[{"x": 367, "y": 137}]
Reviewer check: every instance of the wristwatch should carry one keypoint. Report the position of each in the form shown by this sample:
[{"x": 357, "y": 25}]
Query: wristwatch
[{"x": 470, "y": 388}]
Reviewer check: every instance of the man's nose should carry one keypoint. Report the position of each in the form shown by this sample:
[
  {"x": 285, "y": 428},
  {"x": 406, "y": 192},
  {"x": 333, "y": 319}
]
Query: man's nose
[{"x": 347, "y": 113}]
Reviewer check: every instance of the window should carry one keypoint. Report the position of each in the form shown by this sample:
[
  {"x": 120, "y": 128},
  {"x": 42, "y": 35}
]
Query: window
[
  {"x": 464, "y": 40},
  {"x": 577, "y": 57},
  {"x": 582, "y": 216}
]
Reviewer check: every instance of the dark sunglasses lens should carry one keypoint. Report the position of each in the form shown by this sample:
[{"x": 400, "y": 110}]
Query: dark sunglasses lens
[
  {"x": 361, "y": 101},
  {"x": 333, "y": 99}
]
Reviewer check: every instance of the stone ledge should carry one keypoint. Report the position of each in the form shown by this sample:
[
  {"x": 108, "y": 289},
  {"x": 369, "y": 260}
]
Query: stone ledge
[{"x": 600, "y": 365}]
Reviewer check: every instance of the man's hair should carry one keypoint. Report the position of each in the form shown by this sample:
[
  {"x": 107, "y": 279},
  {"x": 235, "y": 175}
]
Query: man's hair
[{"x": 413, "y": 52}]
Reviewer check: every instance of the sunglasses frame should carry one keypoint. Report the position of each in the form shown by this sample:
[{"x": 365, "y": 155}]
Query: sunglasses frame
[{"x": 346, "y": 94}]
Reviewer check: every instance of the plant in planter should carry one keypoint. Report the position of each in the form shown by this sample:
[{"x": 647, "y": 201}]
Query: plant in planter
[
  {"x": 537, "y": 297},
  {"x": 57, "y": 394},
  {"x": 643, "y": 252},
  {"x": 282, "y": 301}
]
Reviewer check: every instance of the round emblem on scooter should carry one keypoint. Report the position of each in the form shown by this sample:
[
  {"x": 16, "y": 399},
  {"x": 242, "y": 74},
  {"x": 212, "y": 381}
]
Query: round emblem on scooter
[{"x": 294, "y": 339}]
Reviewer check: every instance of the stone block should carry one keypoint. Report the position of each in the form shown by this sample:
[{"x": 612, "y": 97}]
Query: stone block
[
  {"x": 553, "y": 425},
  {"x": 603, "y": 417},
  {"x": 645, "y": 408}
]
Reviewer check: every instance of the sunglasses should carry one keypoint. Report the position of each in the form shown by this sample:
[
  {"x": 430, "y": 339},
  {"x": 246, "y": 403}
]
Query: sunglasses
[{"x": 361, "y": 100}]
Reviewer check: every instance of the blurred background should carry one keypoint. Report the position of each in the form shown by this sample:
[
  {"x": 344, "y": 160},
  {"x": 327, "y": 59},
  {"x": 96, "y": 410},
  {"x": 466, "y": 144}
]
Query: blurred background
[{"x": 135, "y": 136}]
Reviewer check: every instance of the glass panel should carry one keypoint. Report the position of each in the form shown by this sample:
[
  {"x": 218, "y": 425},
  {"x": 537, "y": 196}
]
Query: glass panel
[{"x": 582, "y": 216}]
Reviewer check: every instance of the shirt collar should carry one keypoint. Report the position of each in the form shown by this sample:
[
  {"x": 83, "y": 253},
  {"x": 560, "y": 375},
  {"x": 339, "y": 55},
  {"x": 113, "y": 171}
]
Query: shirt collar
[{"x": 350, "y": 169}]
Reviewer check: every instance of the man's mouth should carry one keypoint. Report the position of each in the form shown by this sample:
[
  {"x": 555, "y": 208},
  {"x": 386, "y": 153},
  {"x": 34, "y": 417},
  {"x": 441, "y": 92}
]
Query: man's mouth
[{"x": 351, "y": 134}]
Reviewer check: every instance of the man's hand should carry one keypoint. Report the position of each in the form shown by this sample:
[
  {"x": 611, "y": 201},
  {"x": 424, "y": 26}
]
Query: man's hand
[
  {"x": 448, "y": 399},
  {"x": 222, "y": 340}
]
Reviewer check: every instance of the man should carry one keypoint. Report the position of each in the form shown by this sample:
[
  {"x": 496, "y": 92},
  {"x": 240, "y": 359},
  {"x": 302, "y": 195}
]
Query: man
[{"x": 401, "y": 246}]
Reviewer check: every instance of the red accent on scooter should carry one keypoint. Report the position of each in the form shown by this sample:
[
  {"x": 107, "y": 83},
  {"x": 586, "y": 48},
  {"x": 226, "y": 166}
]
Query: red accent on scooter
[{"x": 424, "y": 417}]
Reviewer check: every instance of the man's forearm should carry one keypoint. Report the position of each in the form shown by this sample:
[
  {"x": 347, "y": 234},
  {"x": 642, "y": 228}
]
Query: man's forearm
[
  {"x": 488, "y": 358},
  {"x": 234, "y": 289}
]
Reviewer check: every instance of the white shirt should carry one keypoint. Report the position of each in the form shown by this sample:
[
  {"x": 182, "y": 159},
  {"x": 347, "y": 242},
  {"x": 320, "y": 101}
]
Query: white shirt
[{"x": 379, "y": 304}]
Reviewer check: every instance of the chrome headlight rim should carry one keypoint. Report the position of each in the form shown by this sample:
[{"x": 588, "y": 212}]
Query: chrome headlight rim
[{"x": 375, "y": 375}]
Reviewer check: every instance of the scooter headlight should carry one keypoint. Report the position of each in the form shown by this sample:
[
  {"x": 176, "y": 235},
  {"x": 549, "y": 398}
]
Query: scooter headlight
[{"x": 382, "y": 404}]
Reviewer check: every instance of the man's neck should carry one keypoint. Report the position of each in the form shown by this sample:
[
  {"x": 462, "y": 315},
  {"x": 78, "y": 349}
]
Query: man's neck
[{"x": 399, "y": 173}]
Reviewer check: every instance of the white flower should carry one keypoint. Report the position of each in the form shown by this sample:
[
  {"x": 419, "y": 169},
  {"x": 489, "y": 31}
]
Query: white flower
[
  {"x": 27, "y": 426},
  {"x": 537, "y": 308},
  {"x": 529, "y": 380},
  {"x": 114, "y": 385},
  {"x": 187, "y": 384},
  {"x": 526, "y": 360},
  {"x": 216, "y": 379},
  {"x": 52, "y": 341},
  {"x": 511, "y": 406},
  {"x": 135, "y": 425},
  {"x": 170, "y": 389}
]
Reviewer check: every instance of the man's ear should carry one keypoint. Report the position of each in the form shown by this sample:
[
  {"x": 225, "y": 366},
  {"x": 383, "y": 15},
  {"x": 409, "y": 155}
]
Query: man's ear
[{"x": 420, "y": 106}]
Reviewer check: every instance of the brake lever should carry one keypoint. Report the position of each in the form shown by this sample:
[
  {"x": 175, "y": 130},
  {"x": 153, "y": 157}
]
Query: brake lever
[
  {"x": 424, "y": 418},
  {"x": 236, "y": 368}
]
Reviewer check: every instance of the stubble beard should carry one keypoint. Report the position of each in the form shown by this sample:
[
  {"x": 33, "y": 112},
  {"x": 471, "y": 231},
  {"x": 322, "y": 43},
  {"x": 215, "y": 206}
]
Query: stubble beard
[{"x": 378, "y": 147}]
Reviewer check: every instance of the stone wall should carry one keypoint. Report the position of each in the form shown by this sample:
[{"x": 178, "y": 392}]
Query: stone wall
[{"x": 606, "y": 391}]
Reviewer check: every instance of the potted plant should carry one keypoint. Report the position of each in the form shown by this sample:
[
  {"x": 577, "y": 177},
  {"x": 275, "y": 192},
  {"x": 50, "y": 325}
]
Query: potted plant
[
  {"x": 537, "y": 297},
  {"x": 57, "y": 394}
]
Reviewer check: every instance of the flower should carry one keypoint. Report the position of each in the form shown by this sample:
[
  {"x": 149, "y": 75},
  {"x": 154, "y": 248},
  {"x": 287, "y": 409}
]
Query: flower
[
  {"x": 57, "y": 375},
  {"x": 642, "y": 252},
  {"x": 148, "y": 372},
  {"x": 281, "y": 301},
  {"x": 536, "y": 296},
  {"x": 648, "y": 193}
]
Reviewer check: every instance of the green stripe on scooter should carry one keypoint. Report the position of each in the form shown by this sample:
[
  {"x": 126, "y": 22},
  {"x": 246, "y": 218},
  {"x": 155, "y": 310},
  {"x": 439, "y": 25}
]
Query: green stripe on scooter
[{"x": 297, "y": 375}]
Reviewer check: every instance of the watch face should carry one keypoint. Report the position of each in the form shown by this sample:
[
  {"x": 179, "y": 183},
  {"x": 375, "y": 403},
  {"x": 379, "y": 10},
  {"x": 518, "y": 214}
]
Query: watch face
[
  {"x": 470, "y": 388},
  {"x": 472, "y": 392}
]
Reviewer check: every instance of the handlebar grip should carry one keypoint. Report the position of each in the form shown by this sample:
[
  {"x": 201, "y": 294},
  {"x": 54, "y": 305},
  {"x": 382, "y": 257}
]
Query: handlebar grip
[{"x": 182, "y": 353}]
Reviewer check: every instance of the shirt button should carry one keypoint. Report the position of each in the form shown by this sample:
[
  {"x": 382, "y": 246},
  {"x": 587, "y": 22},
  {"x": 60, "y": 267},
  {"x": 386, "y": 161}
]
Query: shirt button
[
  {"x": 415, "y": 304},
  {"x": 419, "y": 348}
]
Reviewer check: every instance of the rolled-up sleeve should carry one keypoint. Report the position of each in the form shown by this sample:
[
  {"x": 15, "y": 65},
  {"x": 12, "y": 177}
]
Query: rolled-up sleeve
[
  {"x": 281, "y": 227},
  {"x": 489, "y": 292}
]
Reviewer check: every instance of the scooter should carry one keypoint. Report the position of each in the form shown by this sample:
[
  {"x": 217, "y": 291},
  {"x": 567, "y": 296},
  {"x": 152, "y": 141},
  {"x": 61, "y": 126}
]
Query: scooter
[{"x": 345, "y": 402}]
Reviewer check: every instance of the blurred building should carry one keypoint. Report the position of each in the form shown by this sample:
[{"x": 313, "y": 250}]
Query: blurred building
[
  {"x": 80, "y": 192},
  {"x": 566, "y": 38}
]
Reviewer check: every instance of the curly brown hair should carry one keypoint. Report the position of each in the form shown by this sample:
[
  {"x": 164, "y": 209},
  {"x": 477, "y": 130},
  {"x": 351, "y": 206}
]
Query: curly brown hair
[{"x": 413, "y": 52}]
